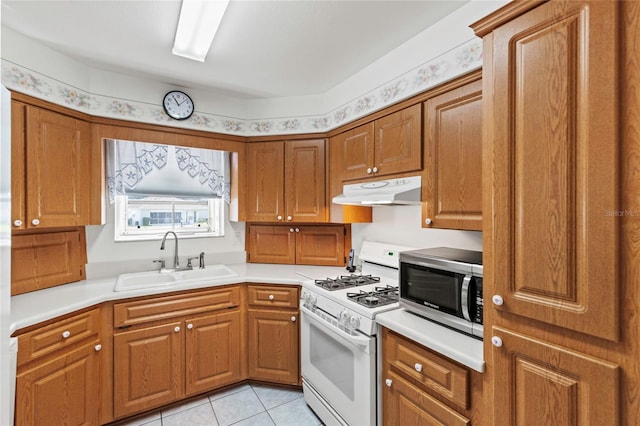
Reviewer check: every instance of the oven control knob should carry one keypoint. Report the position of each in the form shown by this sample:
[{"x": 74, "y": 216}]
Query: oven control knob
[
  {"x": 354, "y": 322},
  {"x": 345, "y": 318}
]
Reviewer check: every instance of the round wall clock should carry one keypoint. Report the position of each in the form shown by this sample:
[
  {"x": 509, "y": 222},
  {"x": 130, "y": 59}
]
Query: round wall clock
[{"x": 178, "y": 105}]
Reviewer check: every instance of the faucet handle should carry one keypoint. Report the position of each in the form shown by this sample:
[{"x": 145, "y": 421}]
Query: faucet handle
[
  {"x": 161, "y": 262},
  {"x": 189, "y": 265}
]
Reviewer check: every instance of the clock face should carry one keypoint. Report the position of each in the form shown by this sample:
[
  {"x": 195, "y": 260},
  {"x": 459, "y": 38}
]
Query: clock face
[{"x": 178, "y": 105}]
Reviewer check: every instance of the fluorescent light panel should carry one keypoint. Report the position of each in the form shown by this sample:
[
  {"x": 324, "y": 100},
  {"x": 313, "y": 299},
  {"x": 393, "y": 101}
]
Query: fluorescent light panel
[{"x": 198, "y": 24}]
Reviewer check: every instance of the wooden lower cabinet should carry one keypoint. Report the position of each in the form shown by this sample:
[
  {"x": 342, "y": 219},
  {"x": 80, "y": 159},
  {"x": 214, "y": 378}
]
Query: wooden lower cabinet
[
  {"x": 541, "y": 383},
  {"x": 213, "y": 351},
  {"x": 273, "y": 333},
  {"x": 62, "y": 390},
  {"x": 421, "y": 387},
  {"x": 147, "y": 370}
]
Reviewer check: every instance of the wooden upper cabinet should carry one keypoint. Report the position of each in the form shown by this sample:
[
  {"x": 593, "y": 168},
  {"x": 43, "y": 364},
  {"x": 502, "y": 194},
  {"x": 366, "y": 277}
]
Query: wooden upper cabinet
[
  {"x": 452, "y": 188},
  {"x": 542, "y": 383},
  {"x": 272, "y": 244},
  {"x": 286, "y": 181},
  {"x": 551, "y": 165},
  {"x": 320, "y": 245},
  {"x": 52, "y": 155},
  {"x": 265, "y": 186},
  {"x": 389, "y": 145}
]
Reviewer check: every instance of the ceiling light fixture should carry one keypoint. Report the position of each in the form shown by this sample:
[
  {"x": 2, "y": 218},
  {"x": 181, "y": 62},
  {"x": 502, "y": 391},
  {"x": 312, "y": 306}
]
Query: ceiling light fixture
[{"x": 198, "y": 24}]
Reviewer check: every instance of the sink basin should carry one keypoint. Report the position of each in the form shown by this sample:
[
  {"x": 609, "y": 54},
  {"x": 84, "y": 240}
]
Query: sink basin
[
  {"x": 213, "y": 272},
  {"x": 140, "y": 280}
]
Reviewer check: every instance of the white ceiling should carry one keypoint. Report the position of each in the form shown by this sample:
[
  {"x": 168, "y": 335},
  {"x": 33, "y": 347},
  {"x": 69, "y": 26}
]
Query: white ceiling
[{"x": 263, "y": 48}]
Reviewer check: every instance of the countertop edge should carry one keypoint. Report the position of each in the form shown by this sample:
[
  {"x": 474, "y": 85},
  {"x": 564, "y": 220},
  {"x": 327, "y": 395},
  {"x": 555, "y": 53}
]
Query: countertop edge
[{"x": 459, "y": 347}]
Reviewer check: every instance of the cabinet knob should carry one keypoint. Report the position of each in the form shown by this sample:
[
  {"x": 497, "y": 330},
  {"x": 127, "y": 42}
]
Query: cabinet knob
[
  {"x": 369, "y": 170},
  {"x": 189, "y": 326},
  {"x": 289, "y": 217},
  {"x": 176, "y": 329},
  {"x": 375, "y": 170},
  {"x": 388, "y": 382},
  {"x": 271, "y": 297},
  {"x": 66, "y": 334},
  {"x": 290, "y": 229},
  {"x": 428, "y": 221},
  {"x": 293, "y": 318},
  {"x": 279, "y": 217},
  {"x": 98, "y": 347},
  {"x": 497, "y": 300},
  {"x": 297, "y": 229},
  {"x": 35, "y": 222},
  {"x": 496, "y": 341},
  {"x": 418, "y": 367},
  {"x": 17, "y": 222}
]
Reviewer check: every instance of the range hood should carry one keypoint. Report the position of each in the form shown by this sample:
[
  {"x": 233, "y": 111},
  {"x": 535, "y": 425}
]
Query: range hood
[{"x": 391, "y": 192}]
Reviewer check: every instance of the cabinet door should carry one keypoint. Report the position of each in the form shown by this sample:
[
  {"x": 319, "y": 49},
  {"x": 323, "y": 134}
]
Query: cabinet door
[
  {"x": 213, "y": 351},
  {"x": 305, "y": 181},
  {"x": 272, "y": 244},
  {"x": 58, "y": 158},
  {"x": 405, "y": 404},
  {"x": 320, "y": 245},
  {"x": 41, "y": 261},
  {"x": 63, "y": 390},
  {"x": 551, "y": 385},
  {"x": 551, "y": 166},
  {"x": 452, "y": 190},
  {"x": 147, "y": 368},
  {"x": 356, "y": 151},
  {"x": 265, "y": 182},
  {"x": 398, "y": 142},
  {"x": 274, "y": 345},
  {"x": 18, "y": 190}
]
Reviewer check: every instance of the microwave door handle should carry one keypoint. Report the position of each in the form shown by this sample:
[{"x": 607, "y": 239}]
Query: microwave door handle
[{"x": 465, "y": 297}]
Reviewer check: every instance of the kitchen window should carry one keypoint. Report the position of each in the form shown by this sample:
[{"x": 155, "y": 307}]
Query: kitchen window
[{"x": 158, "y": 188}]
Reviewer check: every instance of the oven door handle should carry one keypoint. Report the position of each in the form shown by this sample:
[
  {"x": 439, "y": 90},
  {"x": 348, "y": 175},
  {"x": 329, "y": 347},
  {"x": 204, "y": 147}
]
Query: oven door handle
[{"x": 360, "y": 341}]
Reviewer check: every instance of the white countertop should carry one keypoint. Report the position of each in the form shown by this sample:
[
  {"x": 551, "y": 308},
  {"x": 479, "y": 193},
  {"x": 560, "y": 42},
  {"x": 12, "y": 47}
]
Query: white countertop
[
  {"x": 454, "y": 345},
  {"x": 31, "y": 308}
]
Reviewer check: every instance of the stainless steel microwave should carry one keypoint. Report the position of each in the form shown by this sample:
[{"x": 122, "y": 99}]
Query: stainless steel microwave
[{"x": 444, "y": 285}]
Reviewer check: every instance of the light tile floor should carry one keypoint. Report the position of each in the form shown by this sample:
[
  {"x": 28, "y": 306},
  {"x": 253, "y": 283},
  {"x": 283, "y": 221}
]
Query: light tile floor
[{"x": 244, "y": 405}]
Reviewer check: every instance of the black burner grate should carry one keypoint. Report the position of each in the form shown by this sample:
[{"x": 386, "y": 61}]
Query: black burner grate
[
  {"x": 379, "y": 297},
  {"x": 347, "y": 281}
]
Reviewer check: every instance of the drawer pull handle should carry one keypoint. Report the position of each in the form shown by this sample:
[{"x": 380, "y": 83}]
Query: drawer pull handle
[
  {"x": 98, "y": 347},
  {"x": 388, "y": 382},
  {"x": 418, "y": 367},
  {"x": 189, "y": 326},
  {"x": 177, "y": 329},
  {"x": 271, "y": 297},
  {"x": 66, "y": 334}
]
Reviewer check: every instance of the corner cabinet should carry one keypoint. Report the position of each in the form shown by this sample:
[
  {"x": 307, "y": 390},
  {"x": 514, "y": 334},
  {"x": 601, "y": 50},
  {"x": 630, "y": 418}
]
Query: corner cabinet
[
  {"x": 286, "y": 181},
  {"x": 452, "y": 186},
  {"x": 298, "y": 244},
  {"x": 51, "y": 168},
  {"x": 389, "y": 145}
]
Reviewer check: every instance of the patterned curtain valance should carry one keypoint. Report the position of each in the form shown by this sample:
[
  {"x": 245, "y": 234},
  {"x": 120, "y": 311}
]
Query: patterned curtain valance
[{"x": 146, "y": 169}]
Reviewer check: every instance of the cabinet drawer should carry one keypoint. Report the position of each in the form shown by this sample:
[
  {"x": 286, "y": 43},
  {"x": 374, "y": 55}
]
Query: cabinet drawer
[
  {"x": 60, "y": 334},
  {"x": 159, "y": 308},
  {"x": 428, "y": 369},
  {"x": 274, "y": 296}
]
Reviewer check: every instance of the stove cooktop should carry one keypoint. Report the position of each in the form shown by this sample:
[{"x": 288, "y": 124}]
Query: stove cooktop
[
  {"x": 346, "y": 281},
  {"x": 379, "y": 296}
]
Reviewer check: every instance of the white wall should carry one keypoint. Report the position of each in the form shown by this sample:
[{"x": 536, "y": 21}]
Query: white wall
[{"x": 402, "y": 225}]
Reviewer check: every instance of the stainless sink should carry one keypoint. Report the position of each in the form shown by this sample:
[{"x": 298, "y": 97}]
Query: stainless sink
[{"x": 152, "y": 279}]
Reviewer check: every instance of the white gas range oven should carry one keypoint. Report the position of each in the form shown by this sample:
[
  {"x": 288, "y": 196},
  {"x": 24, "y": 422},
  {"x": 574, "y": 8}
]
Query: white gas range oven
[{"x": 338, "y": 335}]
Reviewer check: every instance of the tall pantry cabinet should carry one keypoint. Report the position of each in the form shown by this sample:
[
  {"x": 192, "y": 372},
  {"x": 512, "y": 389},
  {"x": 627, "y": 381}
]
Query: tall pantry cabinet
[{"x": 560, "y": 146}]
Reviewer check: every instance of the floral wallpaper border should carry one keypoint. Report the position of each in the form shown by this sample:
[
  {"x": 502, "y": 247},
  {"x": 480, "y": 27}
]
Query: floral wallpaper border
[{"x": 455, "y": 62}]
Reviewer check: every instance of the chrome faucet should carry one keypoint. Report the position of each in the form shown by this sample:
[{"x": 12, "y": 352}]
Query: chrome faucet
[{"x": 176, "y": 261}]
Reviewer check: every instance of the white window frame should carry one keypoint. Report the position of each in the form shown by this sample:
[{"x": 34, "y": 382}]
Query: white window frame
[{"x": 125, "y": 232}]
